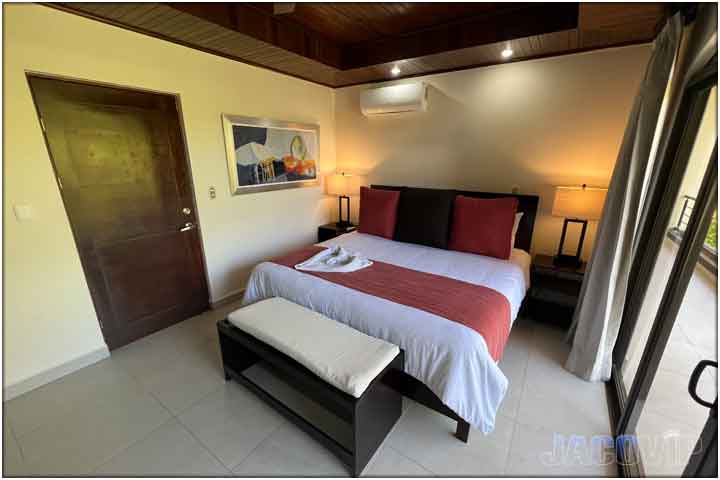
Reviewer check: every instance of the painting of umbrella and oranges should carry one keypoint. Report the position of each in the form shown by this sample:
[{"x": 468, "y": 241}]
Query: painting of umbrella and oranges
[{"x": 269, "y": 155}]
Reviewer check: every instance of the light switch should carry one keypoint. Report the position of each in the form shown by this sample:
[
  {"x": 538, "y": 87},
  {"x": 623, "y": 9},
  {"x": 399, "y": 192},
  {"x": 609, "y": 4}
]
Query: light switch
[{"x": 24, "y": 212}]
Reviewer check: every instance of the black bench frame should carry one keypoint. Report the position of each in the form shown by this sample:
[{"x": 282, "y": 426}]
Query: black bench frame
[
  {"x": 414, "y": 389},
  {"x": 371, "y": 417}
]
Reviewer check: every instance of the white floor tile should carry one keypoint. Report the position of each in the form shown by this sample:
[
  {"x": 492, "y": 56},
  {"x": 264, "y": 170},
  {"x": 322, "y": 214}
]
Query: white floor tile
[
  {"x": 668, "y": 397},
  {"x": 112, "y": 416},
  {"x": 548, "y": 343},
  {"x": 54, "y": 400},
  {"x": 407, "y": 404},
  {"x": 511, "y": 403},
  {"x": 665, "y": 443},
  {"x": 82, "y": 440},
  {"x": 152, "y": 355},
  {"x": 427, "y": 438},
  {"x": 521, "y": 333},
  {"x": 679, "y": 357},
  {"x": 188, "y": 378},
  {"x": 388, "y": 462},
  {"x": 205, "y": 325},
  {"x": 12, "y": 457},
  {"x": 231, "y": 422},
  {"x": 564, "y": 412},
  {"x": 291, "y": 452},
  {"x": 547, "y": 376},
  {"x": 555, "y": 398},
  {"x": 170, "y": 450},
  {"x": 514, "y": 365},
  {"x": 537, "y": 451}
]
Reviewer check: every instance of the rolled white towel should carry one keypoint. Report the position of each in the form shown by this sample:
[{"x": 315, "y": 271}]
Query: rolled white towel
[{"x": 334, "y": 259}]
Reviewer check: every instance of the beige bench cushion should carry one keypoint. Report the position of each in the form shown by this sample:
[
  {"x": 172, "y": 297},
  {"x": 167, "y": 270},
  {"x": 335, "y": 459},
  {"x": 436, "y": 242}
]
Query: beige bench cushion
[{"x": 340, "y": 355}]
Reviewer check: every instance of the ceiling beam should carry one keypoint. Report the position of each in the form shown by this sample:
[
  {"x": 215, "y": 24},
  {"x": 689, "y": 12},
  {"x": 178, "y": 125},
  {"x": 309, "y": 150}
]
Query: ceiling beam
[
  {"x": 503, "y": 25},
  {"x": 261, "y": 24},
  {"x": 507, "y": 23},
  {"x": 252, "y": 36}
]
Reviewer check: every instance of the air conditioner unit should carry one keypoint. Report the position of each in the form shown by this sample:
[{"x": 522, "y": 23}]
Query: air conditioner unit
[{"x": 406, "y": 97}]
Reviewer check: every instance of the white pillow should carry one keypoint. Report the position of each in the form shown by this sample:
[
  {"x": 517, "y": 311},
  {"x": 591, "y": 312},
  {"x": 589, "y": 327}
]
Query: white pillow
[{"x": 518, "y": 216}]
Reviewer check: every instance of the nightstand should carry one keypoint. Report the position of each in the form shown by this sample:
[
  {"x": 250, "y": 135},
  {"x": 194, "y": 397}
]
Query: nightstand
[
  {"x": 331, "y": 230},
  {"x": 554, "y": 291}
]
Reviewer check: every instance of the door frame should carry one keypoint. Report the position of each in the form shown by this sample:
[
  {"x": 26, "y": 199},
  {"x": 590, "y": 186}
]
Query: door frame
[
  {"x": 626, "y": 406},
  {"x": 705, "y": 464},
  {"x": 177, "y": 101}
]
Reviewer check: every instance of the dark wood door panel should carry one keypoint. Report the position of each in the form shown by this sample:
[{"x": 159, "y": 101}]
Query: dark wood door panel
[
  {"x": 120, "y": 158},
  {"x": 160, "y": 320},
  {"x": 157, "y": 264}
]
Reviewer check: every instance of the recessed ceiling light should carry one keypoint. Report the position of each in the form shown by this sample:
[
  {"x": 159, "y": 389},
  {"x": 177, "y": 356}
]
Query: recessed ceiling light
[
  {"x": 507, "y": 53},
  {"x": 395, "y": 70}
]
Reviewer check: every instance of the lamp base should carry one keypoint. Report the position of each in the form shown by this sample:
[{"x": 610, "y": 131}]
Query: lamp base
[
  {"x": 342, "y": 224},
  {"x": 570, "y": 261},
  {"x": 567, "y": 261}
]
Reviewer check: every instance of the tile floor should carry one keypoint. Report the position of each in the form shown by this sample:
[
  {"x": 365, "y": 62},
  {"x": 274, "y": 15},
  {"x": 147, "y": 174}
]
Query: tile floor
[
  {"x": 671, "y": 421},
  {"x": 160, "y": 406}
]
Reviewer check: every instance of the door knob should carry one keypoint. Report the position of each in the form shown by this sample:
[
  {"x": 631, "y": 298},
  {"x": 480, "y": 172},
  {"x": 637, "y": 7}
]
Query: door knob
[
  {"x": 187, "y": 226},
  {"x": 695, "y": 377},
  {"x": 186, "y": 211}
]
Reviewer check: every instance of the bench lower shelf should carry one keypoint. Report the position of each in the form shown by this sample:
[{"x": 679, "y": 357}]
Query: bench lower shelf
[{"x": 361, "y": 424}]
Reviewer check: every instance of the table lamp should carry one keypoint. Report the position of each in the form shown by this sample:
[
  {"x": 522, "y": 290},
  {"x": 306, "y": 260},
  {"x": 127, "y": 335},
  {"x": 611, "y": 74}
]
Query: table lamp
[
  {"x": 576, "y": 204},
  {"x": 344, "y": 185}
]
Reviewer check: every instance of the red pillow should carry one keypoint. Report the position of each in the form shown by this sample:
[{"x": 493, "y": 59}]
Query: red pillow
[
  {"x": 378, "y": 211},
  {"x": 483, "y": 225}
]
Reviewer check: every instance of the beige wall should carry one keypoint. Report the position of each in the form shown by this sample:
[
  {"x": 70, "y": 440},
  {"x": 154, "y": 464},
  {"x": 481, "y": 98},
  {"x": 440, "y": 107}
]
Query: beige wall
[
  {"x": 49, "y": 318},
  {"x": 531, "y": 124}
]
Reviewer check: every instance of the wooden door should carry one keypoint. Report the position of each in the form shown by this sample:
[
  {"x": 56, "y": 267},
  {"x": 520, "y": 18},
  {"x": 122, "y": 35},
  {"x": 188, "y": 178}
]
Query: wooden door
[{"x": 120, "y": 161}]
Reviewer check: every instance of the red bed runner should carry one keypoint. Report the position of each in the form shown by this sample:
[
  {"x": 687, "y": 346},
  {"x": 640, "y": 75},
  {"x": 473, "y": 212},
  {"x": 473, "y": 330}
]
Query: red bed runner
[{"x": 483, "y": 309}]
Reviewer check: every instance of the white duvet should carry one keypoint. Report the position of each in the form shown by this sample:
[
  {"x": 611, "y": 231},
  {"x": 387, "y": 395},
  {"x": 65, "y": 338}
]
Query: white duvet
[{"x": 448, "y": 357}]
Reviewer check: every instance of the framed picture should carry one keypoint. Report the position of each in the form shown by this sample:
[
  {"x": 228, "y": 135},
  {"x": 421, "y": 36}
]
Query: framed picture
[{"x": 266, "y": 155}]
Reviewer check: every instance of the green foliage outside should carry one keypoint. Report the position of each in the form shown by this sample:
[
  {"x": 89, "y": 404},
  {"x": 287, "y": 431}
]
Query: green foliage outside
[{"x": 711, "y": 238}]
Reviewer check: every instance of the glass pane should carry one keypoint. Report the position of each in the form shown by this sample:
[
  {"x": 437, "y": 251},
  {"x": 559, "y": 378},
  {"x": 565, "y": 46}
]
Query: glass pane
[
  {"x": 670, "y": 421},
  {"x": 684, "y": 203}
]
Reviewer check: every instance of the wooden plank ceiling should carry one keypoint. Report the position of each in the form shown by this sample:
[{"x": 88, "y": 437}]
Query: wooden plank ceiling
[{"x": 341, "y": 44}]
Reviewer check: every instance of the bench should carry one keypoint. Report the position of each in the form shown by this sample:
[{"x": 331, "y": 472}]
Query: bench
[{"x": 340, "y": 369}]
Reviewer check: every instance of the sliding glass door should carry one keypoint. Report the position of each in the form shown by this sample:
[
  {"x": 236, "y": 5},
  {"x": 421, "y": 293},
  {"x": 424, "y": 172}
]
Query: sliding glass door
[
  {"x": 674, "y": 229},
  {"x": 671, "y": 420},
  {"x": 670, "y": 320}
]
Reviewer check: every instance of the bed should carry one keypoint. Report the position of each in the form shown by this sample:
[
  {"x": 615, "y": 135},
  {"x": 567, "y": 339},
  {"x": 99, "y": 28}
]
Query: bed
[{"x": 448, "y": 366}]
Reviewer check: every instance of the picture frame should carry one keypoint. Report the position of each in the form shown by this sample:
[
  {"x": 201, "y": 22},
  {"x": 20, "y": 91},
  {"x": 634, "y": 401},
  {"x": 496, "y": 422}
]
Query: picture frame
[{"x": 265, "y": 155}]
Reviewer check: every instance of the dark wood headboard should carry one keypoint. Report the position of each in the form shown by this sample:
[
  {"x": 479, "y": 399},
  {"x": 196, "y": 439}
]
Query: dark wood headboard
[{"x": 528, "y": 204}]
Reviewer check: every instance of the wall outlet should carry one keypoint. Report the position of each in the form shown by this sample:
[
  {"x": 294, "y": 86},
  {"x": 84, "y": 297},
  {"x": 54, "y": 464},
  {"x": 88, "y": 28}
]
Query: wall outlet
[
  {"x": 212, "y": 193},
  {"x": 24, "y": 212}
]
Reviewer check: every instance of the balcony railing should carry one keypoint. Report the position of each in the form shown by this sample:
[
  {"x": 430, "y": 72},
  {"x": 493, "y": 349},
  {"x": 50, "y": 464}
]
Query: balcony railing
[
  {"x": 708, "y": 255},
  {"x": 685, "y": 213}
]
